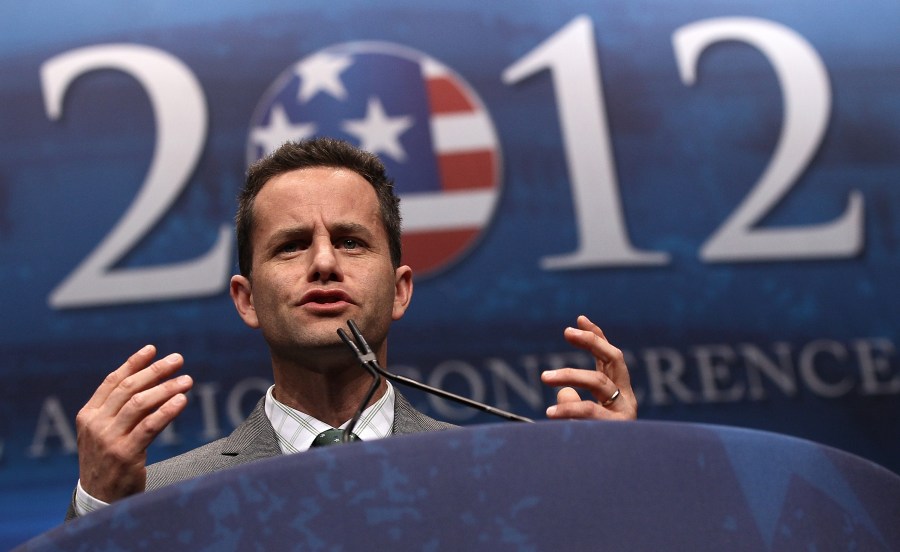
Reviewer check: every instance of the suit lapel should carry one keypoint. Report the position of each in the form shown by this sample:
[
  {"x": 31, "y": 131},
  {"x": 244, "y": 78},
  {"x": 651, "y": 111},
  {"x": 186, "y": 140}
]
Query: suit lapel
[{"x": 252, "y": 440}]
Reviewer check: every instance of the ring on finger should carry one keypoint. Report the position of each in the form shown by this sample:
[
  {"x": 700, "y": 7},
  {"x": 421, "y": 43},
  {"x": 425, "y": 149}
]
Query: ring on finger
[{"x": 612, "y": 398}]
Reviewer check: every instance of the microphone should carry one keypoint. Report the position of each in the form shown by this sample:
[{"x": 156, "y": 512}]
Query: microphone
[
  {"x": 376, "y": 382},
  {"x": 367, "y": 358}
]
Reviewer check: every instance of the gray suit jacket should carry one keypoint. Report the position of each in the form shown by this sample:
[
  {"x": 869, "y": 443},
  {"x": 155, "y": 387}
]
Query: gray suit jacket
[{"x": 253, "y": 440}]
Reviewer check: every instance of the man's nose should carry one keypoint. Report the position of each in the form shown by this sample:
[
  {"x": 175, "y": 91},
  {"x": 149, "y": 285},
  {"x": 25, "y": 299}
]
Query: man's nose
[{"x": 324, "y": 265}]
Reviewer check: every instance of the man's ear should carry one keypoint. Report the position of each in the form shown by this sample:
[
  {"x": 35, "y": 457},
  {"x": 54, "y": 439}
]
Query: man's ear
[
  {"x": 403, "y": 290},
  {"x": 242, "y": 296}
]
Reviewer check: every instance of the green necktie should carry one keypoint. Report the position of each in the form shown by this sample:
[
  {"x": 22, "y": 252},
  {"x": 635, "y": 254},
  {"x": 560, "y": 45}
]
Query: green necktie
[{"x": 331, "y": 437}]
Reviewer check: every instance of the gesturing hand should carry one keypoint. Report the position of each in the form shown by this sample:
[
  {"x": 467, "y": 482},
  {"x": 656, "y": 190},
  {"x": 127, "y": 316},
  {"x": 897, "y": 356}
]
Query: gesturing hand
[
  {"x": 129, "y": 409},
  {"x": 609, "y": 383}
]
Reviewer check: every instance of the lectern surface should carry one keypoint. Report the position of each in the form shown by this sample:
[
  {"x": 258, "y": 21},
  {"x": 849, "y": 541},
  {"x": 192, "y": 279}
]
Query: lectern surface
[{"x": 547, "y": 486}]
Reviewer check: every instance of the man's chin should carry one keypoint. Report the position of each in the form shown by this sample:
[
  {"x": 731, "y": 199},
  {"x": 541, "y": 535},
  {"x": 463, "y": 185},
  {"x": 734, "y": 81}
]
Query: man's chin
[
  {"x": 317, "y": 355},
  {"x": 323, "y": 343}
]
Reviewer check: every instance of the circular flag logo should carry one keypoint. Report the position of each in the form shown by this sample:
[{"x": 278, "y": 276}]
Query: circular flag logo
[{"x": 423, "y": 120}]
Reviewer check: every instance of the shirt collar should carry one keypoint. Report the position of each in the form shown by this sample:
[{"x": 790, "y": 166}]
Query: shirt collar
[{"x": 296, "y": 430}]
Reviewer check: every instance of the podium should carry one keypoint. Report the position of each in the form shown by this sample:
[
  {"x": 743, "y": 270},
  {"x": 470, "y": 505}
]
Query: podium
[{"x": 548, "y": 486}]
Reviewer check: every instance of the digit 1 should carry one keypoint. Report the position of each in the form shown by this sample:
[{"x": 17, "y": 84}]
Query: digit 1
[{"x": 603, "y": 240}]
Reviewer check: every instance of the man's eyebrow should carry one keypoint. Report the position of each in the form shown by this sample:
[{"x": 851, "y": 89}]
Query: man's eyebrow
[
  {"x": 283, "y": 234},
  {"x": 350, "y": 228}
]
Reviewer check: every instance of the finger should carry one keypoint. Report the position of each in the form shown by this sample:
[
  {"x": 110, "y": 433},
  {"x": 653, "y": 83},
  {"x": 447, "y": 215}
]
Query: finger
[
  {"x": 567, "y": 395},
  {"x": 149, "y": 403},
  {"x": 139, "y": 381},
  {"x": 576, "y": 410},
  {"x": 595, "y": 382},
  {"x": 584, "y": 323},
  {"x": 154, "y": 423},
  {"x": 137, "y": 361},
  {"x": 592, "y": 341},
  {"x": 610, "y": 359}
]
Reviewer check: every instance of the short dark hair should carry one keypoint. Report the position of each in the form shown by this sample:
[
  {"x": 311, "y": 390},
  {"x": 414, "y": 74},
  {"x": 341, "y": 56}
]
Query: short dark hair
[{"x": 316, "y": 152}]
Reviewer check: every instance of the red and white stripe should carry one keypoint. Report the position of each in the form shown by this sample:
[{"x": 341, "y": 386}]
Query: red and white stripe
[{"x": 440, "y": 225}]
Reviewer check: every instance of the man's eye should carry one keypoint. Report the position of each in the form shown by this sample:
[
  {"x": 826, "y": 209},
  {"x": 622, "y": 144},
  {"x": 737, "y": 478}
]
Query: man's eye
[
  {"x": 348, "y": 243},
  {"x": 290, "y": 247}
]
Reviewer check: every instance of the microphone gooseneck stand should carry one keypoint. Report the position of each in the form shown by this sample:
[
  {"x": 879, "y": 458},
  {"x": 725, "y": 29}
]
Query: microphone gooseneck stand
[{"x": 367, "y": 358}]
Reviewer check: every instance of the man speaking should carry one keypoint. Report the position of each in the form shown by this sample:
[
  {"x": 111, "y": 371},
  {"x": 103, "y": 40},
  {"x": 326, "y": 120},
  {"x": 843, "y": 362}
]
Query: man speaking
[{"x": 318, "y": 234}]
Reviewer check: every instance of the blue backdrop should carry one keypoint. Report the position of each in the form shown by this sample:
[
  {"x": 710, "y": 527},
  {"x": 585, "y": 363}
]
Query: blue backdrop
[{"x": 715, "y": 183}]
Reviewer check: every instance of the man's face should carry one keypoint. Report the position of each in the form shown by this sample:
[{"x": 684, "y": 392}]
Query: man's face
[{"x": 320, "y": 257}]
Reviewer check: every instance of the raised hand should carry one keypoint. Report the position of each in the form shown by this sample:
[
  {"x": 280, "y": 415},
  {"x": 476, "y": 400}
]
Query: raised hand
[
  {"x": 609, "y": 383},
  {"x": 129, "y": 409}
]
